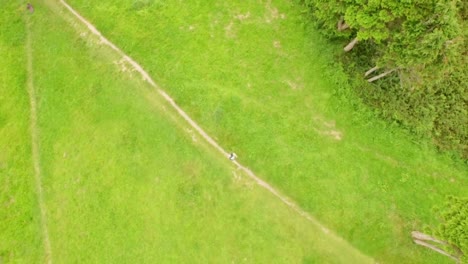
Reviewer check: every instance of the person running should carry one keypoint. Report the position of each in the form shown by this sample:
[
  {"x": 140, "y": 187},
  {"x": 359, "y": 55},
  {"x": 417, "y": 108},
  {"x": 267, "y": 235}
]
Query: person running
[{"x": 232, "y": 156}]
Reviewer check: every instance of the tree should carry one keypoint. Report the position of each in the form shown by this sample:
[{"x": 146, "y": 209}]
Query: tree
[
  {"x": 409, "y": 35},
  {"x": 454, "y": 225},
  {"x": 415, "y": 52},
  {"x": 451, "y": 236}
]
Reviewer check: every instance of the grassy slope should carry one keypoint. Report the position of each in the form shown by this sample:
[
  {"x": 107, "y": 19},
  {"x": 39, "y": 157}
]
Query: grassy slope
[
  {"x": 20, "y": 236},
  {"x": 255, "y": 75},
  {"x": 123, "y": 180}
]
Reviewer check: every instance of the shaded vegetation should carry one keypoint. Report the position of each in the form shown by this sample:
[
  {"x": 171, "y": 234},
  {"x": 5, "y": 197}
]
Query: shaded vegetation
[
  {"x": 415, "y": 55},
  {"x": 453, "y": 227}
]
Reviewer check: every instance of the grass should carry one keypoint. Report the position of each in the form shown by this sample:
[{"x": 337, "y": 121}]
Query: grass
[
  {"x": 19, "y": 212},
  {"x": 124, "y": 180},
  {"x": 257, "y": 76}
]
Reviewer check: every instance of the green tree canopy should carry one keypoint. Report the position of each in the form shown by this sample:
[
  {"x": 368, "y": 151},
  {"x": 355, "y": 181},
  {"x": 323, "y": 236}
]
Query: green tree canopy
[
  {"x": 454, "y": 226},
  {"x": 407, "y": 33},
  {"x": 422, "y": 45}
]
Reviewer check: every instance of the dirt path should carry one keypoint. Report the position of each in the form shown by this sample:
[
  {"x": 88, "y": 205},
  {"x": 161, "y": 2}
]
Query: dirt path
[
  {"x": 210, "y": 140},
  {"x": 35, "y": 144}
]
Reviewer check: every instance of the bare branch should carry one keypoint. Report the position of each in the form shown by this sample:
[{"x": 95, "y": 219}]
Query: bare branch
[
  {"x": 371, "y": 71},
  {"x": 439, "y": 250},
  {"x": 342, "y": 25},
  {"x": 350, "y": 46},
  {"x": 340, "y": 22},
  {"x": 375, "y": 78},
  {"x": 422, "y": 236}
]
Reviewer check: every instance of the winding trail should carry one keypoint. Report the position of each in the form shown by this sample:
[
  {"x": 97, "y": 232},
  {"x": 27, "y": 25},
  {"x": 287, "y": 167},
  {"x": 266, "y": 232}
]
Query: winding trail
[
  {"x": 210, "y": 140},
  {"x": 35, "y": 144}
]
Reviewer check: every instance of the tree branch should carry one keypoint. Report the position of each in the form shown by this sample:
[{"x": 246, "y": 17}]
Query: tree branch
[
  {"x": 422, "y": 236},
  {"x": 350, "y": 46},
  {"x": 371, "y": 71},
  {"x": 342, "y": 25},
  {"x": 375, "y": 78},
  {"x": 439, "y": 250}
]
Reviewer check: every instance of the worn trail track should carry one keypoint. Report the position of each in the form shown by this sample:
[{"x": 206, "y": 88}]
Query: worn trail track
[
  {"x": 35, "y": 144},
  {"x": 202, "y": 133}
]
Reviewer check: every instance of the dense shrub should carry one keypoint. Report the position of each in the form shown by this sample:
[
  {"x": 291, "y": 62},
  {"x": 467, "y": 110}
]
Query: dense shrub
[
  {"x": 453, "y": 218},
  {"x": 418, "y": 51}
]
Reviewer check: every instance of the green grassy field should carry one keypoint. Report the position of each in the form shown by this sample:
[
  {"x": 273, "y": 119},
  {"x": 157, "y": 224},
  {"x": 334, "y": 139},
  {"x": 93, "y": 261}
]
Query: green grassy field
[
  {"x": 19, "y": 213},
  {"x": 123, "y": 178},
  {"x": 257, "y": 76}
]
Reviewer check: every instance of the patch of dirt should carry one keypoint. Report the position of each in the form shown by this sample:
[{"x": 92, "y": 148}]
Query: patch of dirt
[
  {"x": 277, "y": 44},
  {"x": 295, "y": 85},
  {"x": 242, "y": 17},
  {"x": 279, "y": 49},
  {"x": 124, "y": 66},
  {"x": 273, "y": 13},
  {"x": 336, "y": 134},
  {"x": 188, "y": 28},
  {"x": 192, "y": 135},
  {"x": 229, "y": 30},
  {"x": 327, "y": 128}
]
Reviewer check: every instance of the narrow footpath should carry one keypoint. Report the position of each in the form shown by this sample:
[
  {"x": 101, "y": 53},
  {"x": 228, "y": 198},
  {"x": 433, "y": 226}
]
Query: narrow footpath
[{"x": 35, "y": 143}]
